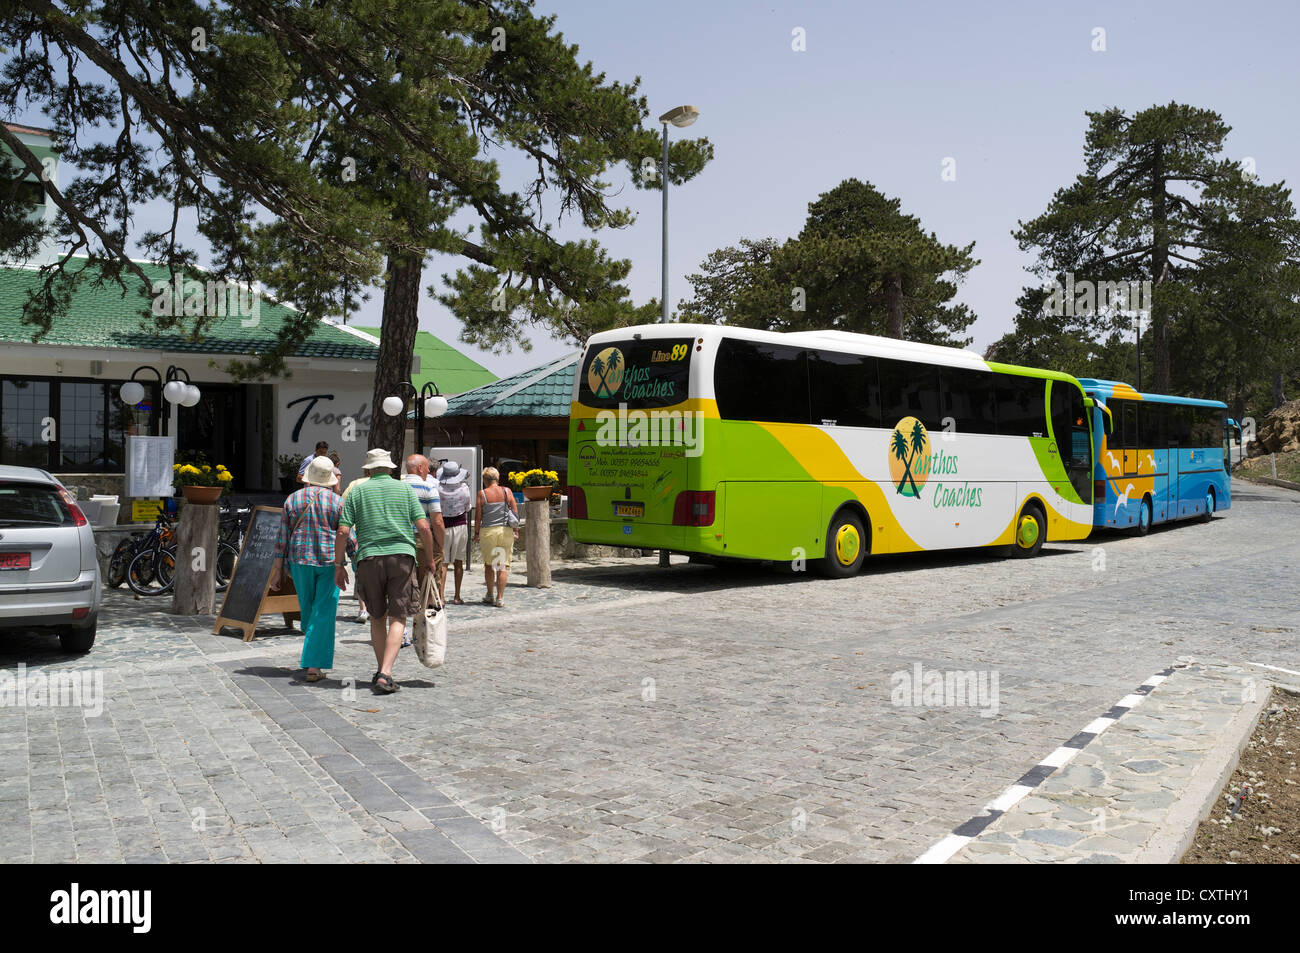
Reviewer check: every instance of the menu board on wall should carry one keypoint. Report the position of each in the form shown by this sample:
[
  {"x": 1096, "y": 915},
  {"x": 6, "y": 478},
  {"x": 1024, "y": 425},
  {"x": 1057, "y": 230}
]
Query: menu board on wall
[{"x": 149, "y": 465}]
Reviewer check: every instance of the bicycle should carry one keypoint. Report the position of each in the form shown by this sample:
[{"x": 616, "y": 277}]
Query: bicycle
[
  {"x": 165, "y": 568},
  {"x": 141, "y": 571}
]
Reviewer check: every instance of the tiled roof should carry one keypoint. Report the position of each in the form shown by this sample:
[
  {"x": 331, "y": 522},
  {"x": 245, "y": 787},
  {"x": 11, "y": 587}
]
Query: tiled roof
[
  {"x": 104, "y": 317},
  {"x": 452, "y": 371},
  {"x": 545, "y": 391}
]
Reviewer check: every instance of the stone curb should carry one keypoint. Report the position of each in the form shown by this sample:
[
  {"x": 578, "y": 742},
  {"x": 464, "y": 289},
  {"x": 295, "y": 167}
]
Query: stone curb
[
  {"x": 1284, "y": 484},
  {"x": 1172, "y": 839}
]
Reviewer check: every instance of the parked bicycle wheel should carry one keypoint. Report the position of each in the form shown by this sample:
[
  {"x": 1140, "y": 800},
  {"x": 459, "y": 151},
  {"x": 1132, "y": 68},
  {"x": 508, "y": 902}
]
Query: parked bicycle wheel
[
  {"x": 227, "y": 556},
  {"x": 142, "y": 575},
  {"x": 120, "y": 560}
]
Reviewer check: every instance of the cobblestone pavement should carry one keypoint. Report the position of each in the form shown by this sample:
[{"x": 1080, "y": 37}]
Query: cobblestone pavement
[
  {"x": 1137, "y": 791},
  {"x": 635, "y": 713}
]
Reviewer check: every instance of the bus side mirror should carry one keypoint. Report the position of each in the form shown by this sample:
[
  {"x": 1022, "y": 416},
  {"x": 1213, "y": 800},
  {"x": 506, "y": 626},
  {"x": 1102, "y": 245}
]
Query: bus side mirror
[{"x": 1107, "y": 421}]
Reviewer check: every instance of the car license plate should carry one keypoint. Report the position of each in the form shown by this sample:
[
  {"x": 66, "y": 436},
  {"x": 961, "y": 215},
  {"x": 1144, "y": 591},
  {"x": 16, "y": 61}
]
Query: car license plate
[
  {"x": 629, "y": 509},
  {"x": 15, "y": 560}
]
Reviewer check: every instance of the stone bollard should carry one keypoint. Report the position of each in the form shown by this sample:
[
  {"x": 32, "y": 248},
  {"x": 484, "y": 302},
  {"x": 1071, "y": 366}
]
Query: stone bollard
[
  {"x": 194, "y": 591},
  {"x": 537, "y": 542}
]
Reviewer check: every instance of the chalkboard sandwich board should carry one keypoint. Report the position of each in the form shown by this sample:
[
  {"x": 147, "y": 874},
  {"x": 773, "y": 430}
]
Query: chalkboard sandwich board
[{"x": 247, "y": 596}]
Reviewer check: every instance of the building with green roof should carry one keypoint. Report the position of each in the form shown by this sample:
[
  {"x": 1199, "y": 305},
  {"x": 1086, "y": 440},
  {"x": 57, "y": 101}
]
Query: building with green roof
[
  {"x": 519, "y": 420},
  {"x": 451, "y": 371}
]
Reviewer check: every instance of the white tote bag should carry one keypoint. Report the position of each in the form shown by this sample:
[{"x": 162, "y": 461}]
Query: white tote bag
[{"x": 429, "y": 630}]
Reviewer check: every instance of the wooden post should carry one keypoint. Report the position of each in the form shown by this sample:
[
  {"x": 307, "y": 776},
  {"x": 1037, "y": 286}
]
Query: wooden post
[
  {"x": 537, "y": 542},
  {"x": 194, "y": 590}
]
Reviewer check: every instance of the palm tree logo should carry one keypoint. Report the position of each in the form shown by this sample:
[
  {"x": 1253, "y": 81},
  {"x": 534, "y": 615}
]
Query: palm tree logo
[
  {"x": 605, "y": 373},
  {"x": 909, "y": 447}
]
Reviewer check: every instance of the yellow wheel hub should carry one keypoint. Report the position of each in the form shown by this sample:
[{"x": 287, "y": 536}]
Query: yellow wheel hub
[
  {"x": 1027, "y": 534},
  {"x": 847, "y": 544}
]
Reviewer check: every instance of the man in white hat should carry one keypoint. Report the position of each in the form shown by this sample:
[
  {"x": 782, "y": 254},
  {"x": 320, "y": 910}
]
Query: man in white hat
[
  {"x": 456, "y": 497},
  {"x": 387, "y": 516}
]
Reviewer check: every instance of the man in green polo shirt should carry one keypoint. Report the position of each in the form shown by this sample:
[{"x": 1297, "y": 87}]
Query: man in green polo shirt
[{"x": 387, "y": 515}]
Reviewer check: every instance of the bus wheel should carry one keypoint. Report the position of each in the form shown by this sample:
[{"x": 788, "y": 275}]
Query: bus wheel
[
  {"x": 1144, "y": 517},
  {"x": 1031, "y": 528},
  {"x": 846, "y": 546}
]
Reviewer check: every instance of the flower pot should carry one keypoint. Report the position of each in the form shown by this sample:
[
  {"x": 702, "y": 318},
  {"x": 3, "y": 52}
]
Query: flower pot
[
  {"x": 202, "y": 494},
  {"x": 537, "y": 493}
]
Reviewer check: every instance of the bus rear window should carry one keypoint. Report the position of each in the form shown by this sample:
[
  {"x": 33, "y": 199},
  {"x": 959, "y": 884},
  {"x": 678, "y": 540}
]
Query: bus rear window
[{"x": 650, "y": 373}]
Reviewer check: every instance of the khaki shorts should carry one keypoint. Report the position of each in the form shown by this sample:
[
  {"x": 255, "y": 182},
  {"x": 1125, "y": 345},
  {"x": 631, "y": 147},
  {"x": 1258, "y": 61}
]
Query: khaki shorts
[
  {"x": 497, "y": 546},
  {"x": 386, "y": 585},
  {"x": 456, "y": 543}
]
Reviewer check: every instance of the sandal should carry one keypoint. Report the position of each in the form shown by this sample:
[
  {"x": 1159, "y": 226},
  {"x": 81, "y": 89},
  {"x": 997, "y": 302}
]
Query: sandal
[
  {"x": 487, "y": 600},
  {"x": 458, "y": 601},
  {"x": 384, "y": 683},
  {"x": 314, "y": 676},
  {"x": 500, "y": 604}
]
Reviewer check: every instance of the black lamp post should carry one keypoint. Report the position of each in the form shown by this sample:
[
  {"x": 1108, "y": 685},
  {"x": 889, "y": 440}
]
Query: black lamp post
[
  {"x": 429, "y": 403},
  {"x": 176, "y": 388}
]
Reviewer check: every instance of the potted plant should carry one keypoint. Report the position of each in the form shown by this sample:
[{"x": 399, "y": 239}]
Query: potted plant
[
  {"x": 537, "y": 484},
  {"x": 201, "y": 482},
  {"x": 287, "y": 464}
]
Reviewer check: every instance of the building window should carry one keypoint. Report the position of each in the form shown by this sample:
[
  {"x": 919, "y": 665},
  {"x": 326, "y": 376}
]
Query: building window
[{"x": 69, "y": 426}]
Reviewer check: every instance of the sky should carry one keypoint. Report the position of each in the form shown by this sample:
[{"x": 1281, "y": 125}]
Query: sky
[
  {"x": 890, "y": 93},
  {"x": 886, "y": 92}
]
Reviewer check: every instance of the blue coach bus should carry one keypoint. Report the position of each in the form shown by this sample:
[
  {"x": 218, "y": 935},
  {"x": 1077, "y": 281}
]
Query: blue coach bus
[{"x": 1158, "y": 458}]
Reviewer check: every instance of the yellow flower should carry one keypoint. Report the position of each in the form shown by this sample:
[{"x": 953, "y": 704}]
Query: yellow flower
[
  {"x": 225, "y": 477},
  {"x": 206, "y": 468}
]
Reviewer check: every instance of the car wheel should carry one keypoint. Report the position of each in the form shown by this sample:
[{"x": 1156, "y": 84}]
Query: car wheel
[
  {"x": 77, "y": 640},
  {"x": 846, "y": 546},
  {"x": 1031, "y": 529}
]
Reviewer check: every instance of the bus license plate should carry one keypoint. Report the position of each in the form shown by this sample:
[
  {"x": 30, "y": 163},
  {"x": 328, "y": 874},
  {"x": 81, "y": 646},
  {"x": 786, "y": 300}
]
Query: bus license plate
[
  {"x": 15, "y": 560},
  {"x": 629, "y": 509}
]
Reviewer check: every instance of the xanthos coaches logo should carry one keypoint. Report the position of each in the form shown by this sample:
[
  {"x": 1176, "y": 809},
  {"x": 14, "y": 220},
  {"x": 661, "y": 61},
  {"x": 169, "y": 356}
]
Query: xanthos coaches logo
[
  {"x": 909, "y": 456},
  {"x": 605, "y": 373}
]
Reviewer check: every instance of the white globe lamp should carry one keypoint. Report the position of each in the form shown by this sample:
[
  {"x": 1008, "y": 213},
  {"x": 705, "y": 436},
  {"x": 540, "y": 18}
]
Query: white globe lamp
[
  {"x": 435, "y": 406},
  {"x": 393, "y": 406},
  {"x": 174, "y": 391},
  {"x": 191, "y": 396},
  {"x": 132, "y": 393}
]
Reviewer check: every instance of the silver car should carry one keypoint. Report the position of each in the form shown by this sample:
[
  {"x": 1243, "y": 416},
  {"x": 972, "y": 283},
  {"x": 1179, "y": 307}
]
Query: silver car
[{"x": 49, "y": 573}]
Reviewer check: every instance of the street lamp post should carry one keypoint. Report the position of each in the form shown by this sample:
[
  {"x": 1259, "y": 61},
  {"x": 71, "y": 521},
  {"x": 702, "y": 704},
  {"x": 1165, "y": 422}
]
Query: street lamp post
[
  {"x": 176, "y": 389},
  {"x": 429, "y": 403},
  {"x": 681, "y": 117}
]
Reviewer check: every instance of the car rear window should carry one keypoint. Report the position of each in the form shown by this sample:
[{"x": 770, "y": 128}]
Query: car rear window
[{"x": 31, "y": 504}]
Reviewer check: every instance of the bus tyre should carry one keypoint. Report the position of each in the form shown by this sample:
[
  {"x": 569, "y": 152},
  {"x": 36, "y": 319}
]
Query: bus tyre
[
  {"x": 1031, "y": 528},
  {"x": 846, "y": 546},
  {"x": 1144, "y": 517}
]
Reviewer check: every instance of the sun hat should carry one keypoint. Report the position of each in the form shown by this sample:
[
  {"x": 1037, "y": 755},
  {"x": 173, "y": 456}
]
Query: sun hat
[
  {"x": 450, "y": 473},
  {"x": 378, "y": 458},
  {"x": 320, "y": 472}
]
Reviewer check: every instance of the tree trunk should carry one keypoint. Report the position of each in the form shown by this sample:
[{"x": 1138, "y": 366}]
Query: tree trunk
[
  {"x": 894, "y": 306},
  {"x": 1279, "y": 398},
  {"x": 1159, "y": 261},
  {"x": 194, "y": 589},
  {"x": 401, "y": 320}
]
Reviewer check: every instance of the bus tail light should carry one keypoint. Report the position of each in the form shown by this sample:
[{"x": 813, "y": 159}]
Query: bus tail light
[
  {"x": 693, "y": 508},
  {"x": 577, "y": 503},
  {"x": 1098, "y": 490}
]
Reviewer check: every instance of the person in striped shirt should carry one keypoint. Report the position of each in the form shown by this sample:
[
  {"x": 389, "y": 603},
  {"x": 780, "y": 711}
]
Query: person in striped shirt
[{"x": 387, "y": 516}]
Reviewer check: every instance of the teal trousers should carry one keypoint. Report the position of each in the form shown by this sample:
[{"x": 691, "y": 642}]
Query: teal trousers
[{"x": 318, "y": 598}]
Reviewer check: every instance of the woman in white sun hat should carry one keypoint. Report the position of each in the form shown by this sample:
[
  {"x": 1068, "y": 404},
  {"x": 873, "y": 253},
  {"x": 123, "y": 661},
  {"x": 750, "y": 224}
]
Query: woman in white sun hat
[
  {"x": 456, "y": 498},
  {"x": 306, "y": 542}
]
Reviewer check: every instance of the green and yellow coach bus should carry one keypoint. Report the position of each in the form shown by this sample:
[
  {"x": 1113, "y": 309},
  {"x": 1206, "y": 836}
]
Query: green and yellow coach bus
[{"x": 822, "y": 446}]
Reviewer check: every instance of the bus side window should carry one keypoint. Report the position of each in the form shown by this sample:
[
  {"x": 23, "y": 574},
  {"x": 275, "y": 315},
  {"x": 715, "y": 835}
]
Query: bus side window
[
  {"x": 968, "y": 399},
  {"x": 1020, "y": 411},
  {"x": 844, "y": 388},
  {"x": 909, "y": 390},
  {"x": 767, "y": 382}
]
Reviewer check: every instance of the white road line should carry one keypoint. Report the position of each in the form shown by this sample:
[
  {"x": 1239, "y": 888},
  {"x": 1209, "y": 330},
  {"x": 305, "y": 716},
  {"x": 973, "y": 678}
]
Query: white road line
[
  {"x": 1098, "y": 725},
  {"x": 1274, "y": 668},
  {"x": 942, "y": 851},
  {"x": 1008, "y": 798},
  {"x": 1130, "y": 701},
  {"x": 1060, "y": 756}
]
